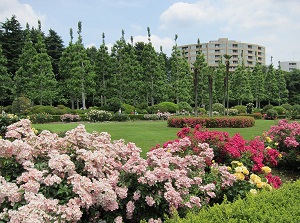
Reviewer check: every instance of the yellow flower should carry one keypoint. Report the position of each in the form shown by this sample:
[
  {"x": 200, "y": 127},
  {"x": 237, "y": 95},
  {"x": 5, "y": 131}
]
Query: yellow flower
[
  {"x": 239, "y": 176},
  {"x": 268, "y": 139},
  {"x": 229, "y": 168},
  {"x": 268, "y": 187},
  {"x": 276, "y": 143},
  {"x": 254, "y": 178},
  {"x": 268, "y": 147},
  {"x": 238, "y": 169},
  {"x": 234, "y": 162},
  {"x": 253, "y": 191},
  {"x": 261, "y": 184},
  {"x": 240, "y": 164},
  {"x": 245, "y": 171},
  {"x": 266, "y": 169},
  {"x": 280, "y": 155}
]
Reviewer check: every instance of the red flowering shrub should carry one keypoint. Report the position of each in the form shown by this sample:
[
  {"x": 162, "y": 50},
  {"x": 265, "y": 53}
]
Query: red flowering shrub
[
  {"x": 286, "y": 137},
  {"x": 218, "y": 122}
]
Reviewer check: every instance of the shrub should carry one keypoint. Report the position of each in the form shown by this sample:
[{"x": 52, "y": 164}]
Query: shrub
[
  {"x": 287, "y": 107},
  {"x": 218, "y": 107},
  {"x": 295, "y": 111},
  {"x": 48, "y": 109},
  {"x": 280, "y": 110},
  {"x": 85, "y": 177},
  {"x": 184, "y": 106},
  {"x": 120, "y": 117},
  {"x": 286, "y": 200},
  {"x": 266, "y": 108},
  {"x": 69, "y": 118},
  {"x": 201, "y": 111},
  {"x": 40, "y": 118},
  {"x": 256, "y": 115},
  {"x": 286, "y": 137},
  {"x": 6, "y": 120},
  {"x": 249, "y": 108},
  {"x": 21, "y": 105},
  {"x": 127, "y": 109},
  {"x": 164, "y": 107},
  {"x": 98, "y": 115},
  {"x": 241, "y": 108},
  {"x": 151, "y": 117},
  {"x": 218, "y": 122},
  {"x": 232, "y": 112},
  {"x": 114, "y": 104},
  {"x": 271, "y": 114}
]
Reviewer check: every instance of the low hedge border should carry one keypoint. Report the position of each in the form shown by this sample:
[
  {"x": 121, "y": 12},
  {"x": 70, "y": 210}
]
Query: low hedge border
[
  {"x": 217, "y": 122},
  {"x": 281, "y": 205}
]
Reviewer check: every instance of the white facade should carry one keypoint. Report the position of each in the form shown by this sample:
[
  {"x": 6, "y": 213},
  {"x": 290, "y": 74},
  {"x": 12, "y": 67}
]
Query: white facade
[{"x": 289, "y": 65}]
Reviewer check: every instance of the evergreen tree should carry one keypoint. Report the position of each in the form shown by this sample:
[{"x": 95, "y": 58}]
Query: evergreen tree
[
  {"x": 164, "y": 89},
  {"x": 271, "y": 86},
  {"x": 258, "y": 84},
  {"x": 219, "y": 82},
  {"x": 293, "y": 86},
  {"x": 281, "y": 85},
  {"x": 55, "y": 47},
  {"x": 180, "y": 77},
  {"x": 12, "y": 41},
  {"x": 5, "y": 81},
  {"x": 43, "y": 86},
  {"x": 24, "y": 75}
]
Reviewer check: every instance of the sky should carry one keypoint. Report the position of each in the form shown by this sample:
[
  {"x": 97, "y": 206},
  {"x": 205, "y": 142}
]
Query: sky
[{"x": 274, "y": 24}]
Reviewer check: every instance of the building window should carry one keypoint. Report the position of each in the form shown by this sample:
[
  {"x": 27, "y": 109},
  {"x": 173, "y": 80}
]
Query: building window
[
  {"x": 234, "y": 45},
  {"x": 235, "y": 51},
  {"x": 292, "y": 63},
  {"x": 250, "y": 52},
  {"x": 249, "y": 47}
]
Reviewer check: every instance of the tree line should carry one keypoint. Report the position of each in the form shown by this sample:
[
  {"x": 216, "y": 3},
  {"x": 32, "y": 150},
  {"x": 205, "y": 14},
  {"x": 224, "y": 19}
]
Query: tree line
[{"x": 41, "y": 68}]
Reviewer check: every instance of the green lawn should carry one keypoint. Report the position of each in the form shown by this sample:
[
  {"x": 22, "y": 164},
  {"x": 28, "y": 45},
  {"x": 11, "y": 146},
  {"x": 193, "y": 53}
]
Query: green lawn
[{"x": 147, "y": 134}]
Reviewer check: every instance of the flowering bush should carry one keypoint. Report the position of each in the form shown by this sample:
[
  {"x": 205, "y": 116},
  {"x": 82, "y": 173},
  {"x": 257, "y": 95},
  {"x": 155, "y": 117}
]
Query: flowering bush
[
  {"x": 253, "y": 155},
  {"x": 69, "y": 118},
  {"x": 85, "y": 177},
  {"x": 98, "y": 115},
  {"x": 219, "y": 122},
  {"x": 232, "y": 111},
  {"x": 286, "y": 137},
  {"x": 6, "y": 120},
  {"x": 271, "y": 114}
]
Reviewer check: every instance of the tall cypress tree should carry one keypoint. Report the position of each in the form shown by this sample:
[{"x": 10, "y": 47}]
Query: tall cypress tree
[
  {"x": 5, "y": 81},
  {"x": 282, "y": 95},
  {"x": 257, "y": 83},
  {"x": 271, "y": 86}
]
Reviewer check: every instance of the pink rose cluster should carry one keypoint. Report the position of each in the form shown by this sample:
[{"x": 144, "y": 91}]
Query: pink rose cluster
[
  {"x": 88, "y": 177},
  {"x": 69, "y": 118}
]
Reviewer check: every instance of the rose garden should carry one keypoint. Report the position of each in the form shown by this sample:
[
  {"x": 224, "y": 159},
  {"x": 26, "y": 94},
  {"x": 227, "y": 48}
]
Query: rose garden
[{"x": 81, "y": 176}]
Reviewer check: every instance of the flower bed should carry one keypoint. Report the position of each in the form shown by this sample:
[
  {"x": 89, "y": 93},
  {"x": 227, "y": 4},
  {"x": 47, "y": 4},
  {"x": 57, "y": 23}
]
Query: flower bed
[{"x": 218, "y": 122}]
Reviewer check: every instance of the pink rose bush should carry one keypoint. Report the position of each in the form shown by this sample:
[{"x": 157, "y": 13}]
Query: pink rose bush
[
  {"x": 70, "y": 118},
  {"x": 285, "y": 136},
  {"x": 87, "y": 177}
]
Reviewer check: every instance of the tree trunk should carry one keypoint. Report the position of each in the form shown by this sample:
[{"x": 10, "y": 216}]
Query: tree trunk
[{"x": 210, "y": 85}]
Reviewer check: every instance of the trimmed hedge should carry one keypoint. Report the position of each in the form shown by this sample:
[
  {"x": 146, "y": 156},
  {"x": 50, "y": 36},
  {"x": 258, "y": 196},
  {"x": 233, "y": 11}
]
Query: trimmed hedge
[
  {"x": 218, "y": 122},
  {"x": 280, "y": 205}
]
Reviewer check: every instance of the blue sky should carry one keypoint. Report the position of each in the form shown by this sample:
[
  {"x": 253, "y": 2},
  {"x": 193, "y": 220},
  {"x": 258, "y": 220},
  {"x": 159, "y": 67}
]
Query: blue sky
[{"x": 274, "y": 24}]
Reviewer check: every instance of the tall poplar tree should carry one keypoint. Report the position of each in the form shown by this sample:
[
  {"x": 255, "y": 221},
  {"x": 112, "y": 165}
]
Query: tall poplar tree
[
  {"x": 282, "y": 95},
  {"x": 271, "y": 85},
  {"x": 180, "y": 77},
  {"x": 5, "y": 81},
  {"x": 257, "y": 83}
]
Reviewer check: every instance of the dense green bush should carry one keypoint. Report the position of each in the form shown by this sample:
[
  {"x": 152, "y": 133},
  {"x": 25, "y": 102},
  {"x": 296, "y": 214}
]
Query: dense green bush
[
  {"x": 185, "y": 106},
  {"x": 287, "y": 107},
  {"x": 266, "y": 108},
  {"x": 280, "y": 205},
  {"x": 280, "y": 110},
  {"x": 256, "y": 115},
  {"x": 295, "y": 111},
  {"x": 164, "y": 107},
  {"x": 114, "y": 104},
  {"x": 202, "y": 111},
  {"x": 21, "y": 105},
  {"x": 218, "y": 107},
  {"x": 127, "y": 109},
  {"x": 218, "y": 122},
  {"x": 40, "y": 118},
  {"x": 231, "y": 112},
  {"x": 271, "y": 114},
  {"x": 241, "y": 108},
  {"x": 120, "y": 117},
  {"x": 60, "y": 110}
]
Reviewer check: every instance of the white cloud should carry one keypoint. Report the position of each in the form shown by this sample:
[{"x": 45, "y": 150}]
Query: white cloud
[{"x": 23, "y": 12}]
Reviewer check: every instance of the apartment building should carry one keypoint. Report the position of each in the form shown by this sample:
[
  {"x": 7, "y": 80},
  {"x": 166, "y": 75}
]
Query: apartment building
[
  {"x": 214, "y": 50},
  {"x": 289, "y": 65}
]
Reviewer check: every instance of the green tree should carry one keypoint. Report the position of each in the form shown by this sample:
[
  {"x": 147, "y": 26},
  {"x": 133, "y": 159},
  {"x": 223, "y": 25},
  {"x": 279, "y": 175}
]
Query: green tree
[
  {"x": 257, "y": 83},
  {"x": 55, "y": 48},
  {"x": 293, "y": 86},
  {"x": 24, "y": 75},
  {"x": 12, "y": 41},
  {"x": 43, "y": 86},
  {"x": 5, "y": 80},
  {"x": 200, "y": 81},
  {"x": 271, "y": 86},
  {"x": 180, "y": 77},
  {"x": 220, "y": 74},
  {"x": 281, "y": 85}
]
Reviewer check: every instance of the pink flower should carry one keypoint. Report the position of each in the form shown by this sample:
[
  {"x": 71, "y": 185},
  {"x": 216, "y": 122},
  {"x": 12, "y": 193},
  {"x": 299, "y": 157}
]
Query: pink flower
[
  {"x": 129, "y": 209},
  {"x": 150, "y": 201}
]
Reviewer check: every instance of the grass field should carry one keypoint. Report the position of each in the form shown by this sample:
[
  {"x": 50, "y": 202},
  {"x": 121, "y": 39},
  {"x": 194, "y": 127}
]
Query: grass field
[{"x": 147, "y": 134}]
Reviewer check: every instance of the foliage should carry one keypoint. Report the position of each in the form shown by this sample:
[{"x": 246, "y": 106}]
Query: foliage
[
  {"x": 165, "y": 107},
  {"x": 240, "y": 108},
  {"x": 271, "y": 114},
  {"x": 120, "y": 117},
  {"x": 127, "y": 109},
  {"x": 218, "y": 107},
  {"x": 286, "y": 200},
  {"x": 256, "y": 115},
  {"x": 280, "y": 110},
  {"x": 231, "y": 112},
  {"x": 266, "y": 108},
  {"x": 185, "y": 106},
  {"x": 249, "y": 108},
  {"x": 295, "y": 111},
  {"x": 287, "y": 107},
  {"x": 98, "y": 115},
  {"x": 69, "y": 118},
  {"x": 114, "y": 104},
  {"x": 59, "y": 110},
  {"x": 40, "y": 117},
  {"x": 21, "y": 105},
  {"x": 218, "y": 122},
  {"x": 201, "y": 111},
  {"x": 59, "y": 178},
  {"x": 286, "y": 136},
  {"x": 6, "y": 120}
]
